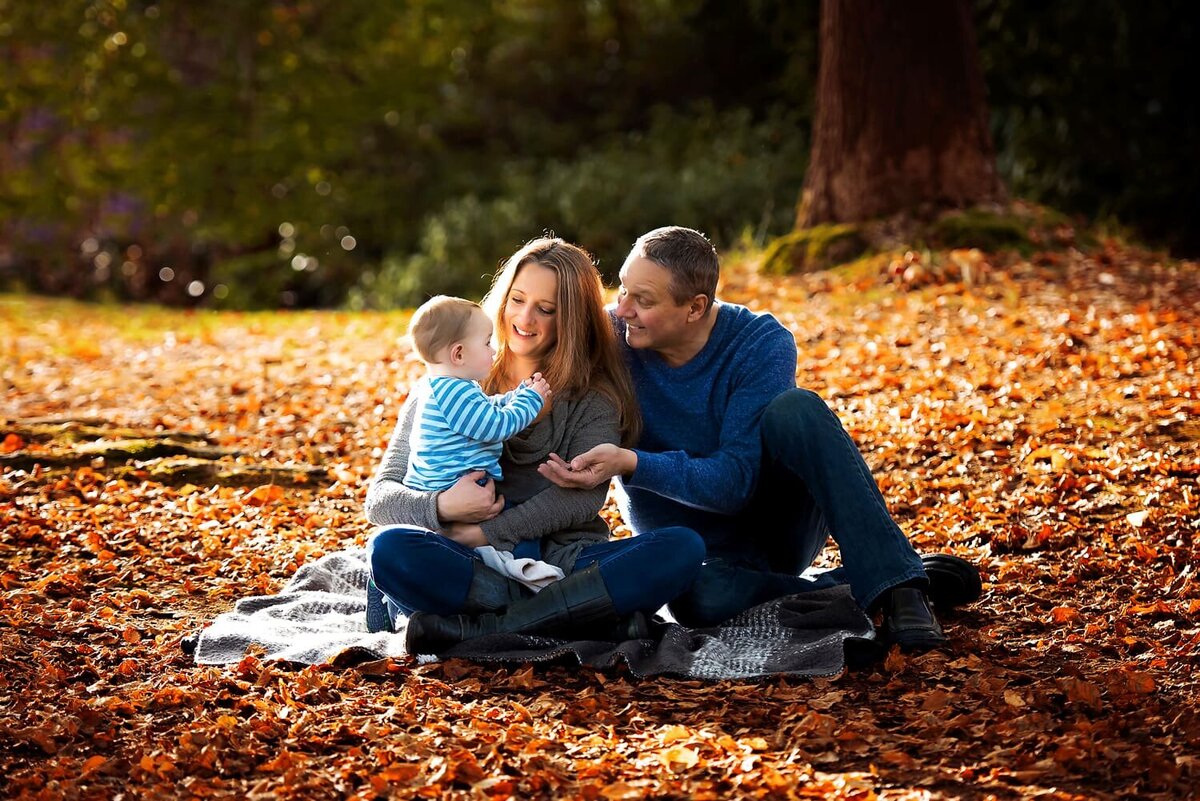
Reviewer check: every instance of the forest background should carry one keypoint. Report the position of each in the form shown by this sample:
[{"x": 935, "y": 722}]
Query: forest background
[{"x": 312, "y": 153}]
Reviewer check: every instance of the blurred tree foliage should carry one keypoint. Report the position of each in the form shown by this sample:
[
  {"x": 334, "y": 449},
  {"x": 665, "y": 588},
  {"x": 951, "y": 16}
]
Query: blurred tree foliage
[
  {"x": 314, "y": 152},
  {"x": 1091, "y": 109}
]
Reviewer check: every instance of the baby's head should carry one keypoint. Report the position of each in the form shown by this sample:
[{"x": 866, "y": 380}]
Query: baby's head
[{"x": 453, "y": 336}]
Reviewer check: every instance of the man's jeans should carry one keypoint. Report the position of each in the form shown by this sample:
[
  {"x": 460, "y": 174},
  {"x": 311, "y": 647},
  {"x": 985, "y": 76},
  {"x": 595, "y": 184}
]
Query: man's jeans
[
  {"x": 814, "y": 483},
  {"x": 420, "y": 570}
]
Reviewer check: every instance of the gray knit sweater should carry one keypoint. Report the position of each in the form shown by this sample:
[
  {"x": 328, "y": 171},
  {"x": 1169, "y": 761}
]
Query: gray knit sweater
[{"x": 565, "y": 520}]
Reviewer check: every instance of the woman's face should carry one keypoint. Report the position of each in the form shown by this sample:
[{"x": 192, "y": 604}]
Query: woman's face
[{"x": 531, "y": 312}]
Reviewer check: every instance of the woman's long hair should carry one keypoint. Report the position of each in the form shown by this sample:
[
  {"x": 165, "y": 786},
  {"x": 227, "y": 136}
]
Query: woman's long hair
[{"x": 585, "y": 353}]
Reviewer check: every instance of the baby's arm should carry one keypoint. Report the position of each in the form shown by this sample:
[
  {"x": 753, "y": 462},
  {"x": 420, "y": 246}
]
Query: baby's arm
[{"x": 471, "y": 413}]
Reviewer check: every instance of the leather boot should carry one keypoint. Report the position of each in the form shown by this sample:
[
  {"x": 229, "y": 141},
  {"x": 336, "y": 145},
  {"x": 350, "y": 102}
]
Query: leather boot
[
  {"x": 491, "y": 591},
  {"x": 572, "y": 607}
]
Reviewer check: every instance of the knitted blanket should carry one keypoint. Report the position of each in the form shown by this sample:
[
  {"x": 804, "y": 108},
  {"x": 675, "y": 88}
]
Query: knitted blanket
[{"x": 320, "y": 615}]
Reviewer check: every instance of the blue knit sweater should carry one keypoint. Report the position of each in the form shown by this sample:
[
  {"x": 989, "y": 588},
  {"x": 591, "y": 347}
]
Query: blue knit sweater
[{"x": 700, "y": 450}]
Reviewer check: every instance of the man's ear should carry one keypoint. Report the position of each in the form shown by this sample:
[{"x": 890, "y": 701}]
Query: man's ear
[{"x": 697, "y": 307}]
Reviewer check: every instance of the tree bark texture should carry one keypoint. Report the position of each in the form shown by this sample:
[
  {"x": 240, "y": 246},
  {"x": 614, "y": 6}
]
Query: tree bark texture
[{"x": 901, "y": 116}]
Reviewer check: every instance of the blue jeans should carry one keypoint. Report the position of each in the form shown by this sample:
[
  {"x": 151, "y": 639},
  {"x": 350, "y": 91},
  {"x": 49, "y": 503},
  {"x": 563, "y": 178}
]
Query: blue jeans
[
  {"x": 420, "y": 570},
  {"x": 814, "y": 484}
]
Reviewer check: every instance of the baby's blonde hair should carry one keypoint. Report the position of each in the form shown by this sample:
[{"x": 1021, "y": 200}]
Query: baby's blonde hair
[{"x": 439, "y": 323}]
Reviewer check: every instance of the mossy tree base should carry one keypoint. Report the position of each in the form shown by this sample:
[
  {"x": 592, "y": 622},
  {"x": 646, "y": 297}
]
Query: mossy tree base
[
  {"x": 811, "y": 249},
  {"x": 991, "y": 228},
  {"x": 978, "y": 228}
]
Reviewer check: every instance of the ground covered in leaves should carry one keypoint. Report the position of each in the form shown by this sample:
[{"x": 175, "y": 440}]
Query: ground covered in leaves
[{"x": 1038, "y": 415}]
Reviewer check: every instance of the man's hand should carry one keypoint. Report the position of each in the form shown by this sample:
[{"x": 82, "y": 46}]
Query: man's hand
[
  {"x": 468, "y": 501},
  {"x": 467, "y": 534},
  {"x": 591, "y": 468}
]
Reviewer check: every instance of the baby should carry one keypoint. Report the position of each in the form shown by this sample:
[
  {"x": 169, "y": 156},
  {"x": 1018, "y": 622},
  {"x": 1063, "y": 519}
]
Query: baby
[{"x": 458, "y": 428}]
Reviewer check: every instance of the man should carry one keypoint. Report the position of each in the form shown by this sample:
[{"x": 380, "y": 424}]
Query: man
[{"x": 764, "y": 471}]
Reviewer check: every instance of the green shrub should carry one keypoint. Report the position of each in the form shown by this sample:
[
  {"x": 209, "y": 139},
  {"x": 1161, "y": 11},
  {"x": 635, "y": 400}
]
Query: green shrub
[
  {"x": 460, "y": 248},
  {"x": 718, "y": 172}
]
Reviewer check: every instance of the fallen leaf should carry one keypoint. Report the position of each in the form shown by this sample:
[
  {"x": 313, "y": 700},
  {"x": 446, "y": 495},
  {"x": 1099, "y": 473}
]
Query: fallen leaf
[
  {"x": 935, "y": 700},
  {"x": 622, "y": 791},
  {"x": 1081, "y": 691},
  {"x": 1064, "y": 614},
  {"x": 1137, "y": 519},
  {"x": 674, "y": 734},
  {"x": 92, "y": 764},
  {"x": 1138, "y": 682},
  {"x": 1058, "y": 458},
  {"x": 680, "y": 756},
  {"x": 261, "y": 496}
]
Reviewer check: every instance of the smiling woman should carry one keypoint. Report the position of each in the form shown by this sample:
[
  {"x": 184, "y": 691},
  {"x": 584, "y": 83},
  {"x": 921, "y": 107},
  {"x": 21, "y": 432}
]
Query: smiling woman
[
  {"x": 529, "y": 314},
  {"x": 548, "y": 307}
]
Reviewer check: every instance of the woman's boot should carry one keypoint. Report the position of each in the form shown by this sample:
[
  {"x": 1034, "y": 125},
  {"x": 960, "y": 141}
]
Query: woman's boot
[
  {"x": 577, "y": 606},
  {"x": 491, "y": 591}
]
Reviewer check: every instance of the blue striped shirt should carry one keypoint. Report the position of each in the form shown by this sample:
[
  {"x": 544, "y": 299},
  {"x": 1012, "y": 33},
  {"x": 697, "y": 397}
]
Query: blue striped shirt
[{"x": 457, "y": 428}]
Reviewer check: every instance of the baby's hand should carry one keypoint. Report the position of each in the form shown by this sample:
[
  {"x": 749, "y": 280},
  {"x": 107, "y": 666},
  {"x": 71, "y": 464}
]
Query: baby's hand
[{"x": 540, "y": 386}]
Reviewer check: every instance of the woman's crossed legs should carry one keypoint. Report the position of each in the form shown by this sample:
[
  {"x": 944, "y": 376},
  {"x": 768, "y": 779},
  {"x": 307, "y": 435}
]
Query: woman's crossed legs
[{"x": 420, "y": 570}]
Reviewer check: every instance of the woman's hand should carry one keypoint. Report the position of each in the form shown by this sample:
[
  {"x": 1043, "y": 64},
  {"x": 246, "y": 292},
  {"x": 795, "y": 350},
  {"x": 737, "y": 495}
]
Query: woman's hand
[
  {"x": 591, "y": 468},
  {"x": 467, "y": 534},
  {"x": 468, "y": 502}
]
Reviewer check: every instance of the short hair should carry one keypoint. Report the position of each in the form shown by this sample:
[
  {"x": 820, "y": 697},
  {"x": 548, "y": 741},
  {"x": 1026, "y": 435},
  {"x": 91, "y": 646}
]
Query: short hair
[
  {"x": 687, "y": 255},
  {"x": 440, "y": 322}
]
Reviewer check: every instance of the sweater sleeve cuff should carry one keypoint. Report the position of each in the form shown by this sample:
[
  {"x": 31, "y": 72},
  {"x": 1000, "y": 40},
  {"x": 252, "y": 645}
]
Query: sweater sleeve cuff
[
  {"x": 498, "y": 539},
  {"x": 652, "y": 470},
  {"x": 430, "y": 511}
]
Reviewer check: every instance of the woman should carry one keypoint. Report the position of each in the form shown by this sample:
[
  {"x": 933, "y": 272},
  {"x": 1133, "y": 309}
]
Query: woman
[{"x": 547, "y": 306}]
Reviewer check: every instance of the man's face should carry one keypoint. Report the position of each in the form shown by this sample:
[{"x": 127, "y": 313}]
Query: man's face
[{"x": 652, "y": 317}]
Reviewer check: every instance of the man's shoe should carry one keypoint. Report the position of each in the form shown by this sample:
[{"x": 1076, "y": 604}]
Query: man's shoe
[
  {"x": 908, "y": 621},
  {"x": 953, "y": 581}
]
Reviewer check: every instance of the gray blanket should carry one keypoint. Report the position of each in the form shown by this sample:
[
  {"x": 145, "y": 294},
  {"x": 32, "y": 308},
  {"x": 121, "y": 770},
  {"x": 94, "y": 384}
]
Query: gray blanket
[{"x": 320, "y": 615}]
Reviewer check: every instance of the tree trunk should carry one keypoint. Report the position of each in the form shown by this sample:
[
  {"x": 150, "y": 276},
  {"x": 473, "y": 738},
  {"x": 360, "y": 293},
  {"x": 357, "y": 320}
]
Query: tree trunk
[{"x": 901, "y": 117}]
